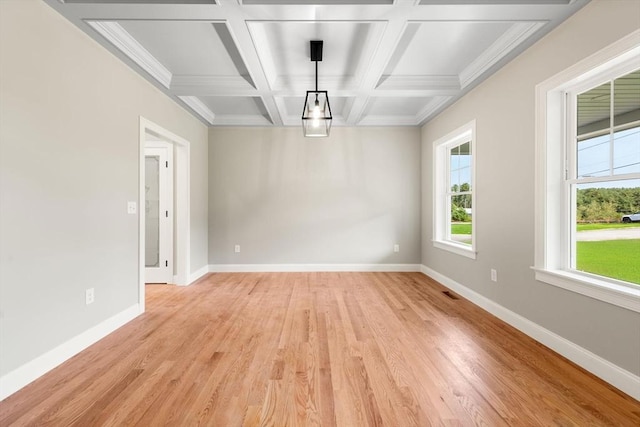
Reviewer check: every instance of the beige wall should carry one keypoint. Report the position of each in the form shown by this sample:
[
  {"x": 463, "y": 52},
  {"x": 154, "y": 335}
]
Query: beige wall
[
  {"x": 69, "y": 126},
  {"x": 503, "y": 107},
  {"x": 287, "y": 199}
]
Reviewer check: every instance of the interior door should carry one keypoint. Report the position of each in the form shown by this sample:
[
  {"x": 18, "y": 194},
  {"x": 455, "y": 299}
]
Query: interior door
[{"x": 158, "y": 216}]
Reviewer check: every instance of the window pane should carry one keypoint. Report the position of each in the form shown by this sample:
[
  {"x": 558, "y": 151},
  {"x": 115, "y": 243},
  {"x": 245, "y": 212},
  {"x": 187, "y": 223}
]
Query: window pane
[
  {"x": 460, "y": 167},
  {"x": 607, "y": 233},
  {"x": 626, "y": 98},
  {"x": 465, "y": 167},
  {"x": 465, "y": 149},
  {"x": 461, "y": 218},
  {"x": 465, "y": 179},
  {"x": 593, "y": 156},
  {"x": 626, "y": 149},
  {"x": 454, "y": 166},
  {"x": 594, "y": 109}
]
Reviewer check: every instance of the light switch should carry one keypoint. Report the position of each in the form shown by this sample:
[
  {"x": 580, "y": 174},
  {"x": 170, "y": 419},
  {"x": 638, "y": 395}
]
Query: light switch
[{"x": 132, "y": 208}]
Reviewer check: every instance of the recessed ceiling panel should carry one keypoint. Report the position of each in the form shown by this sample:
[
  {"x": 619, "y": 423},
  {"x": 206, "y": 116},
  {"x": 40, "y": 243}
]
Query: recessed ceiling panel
[
  {"x": 190, "y": 48},
  {"x": 283, "y": 48},
  {"x": 443, "y": 48}
]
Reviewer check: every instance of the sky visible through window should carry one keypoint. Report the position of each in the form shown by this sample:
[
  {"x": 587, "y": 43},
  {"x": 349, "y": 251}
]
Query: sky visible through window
[
  {"x": 594, "y": 157},
  {"x": 460, "y": 165}
]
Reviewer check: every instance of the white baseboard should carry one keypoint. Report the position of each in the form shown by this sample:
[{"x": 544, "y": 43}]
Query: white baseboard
[
  {"x": 198, "y": 274},
  {"x": 30, "y": 371},
  {"x": 254, "y": 268},
  {"x": 602, "y": 368}
]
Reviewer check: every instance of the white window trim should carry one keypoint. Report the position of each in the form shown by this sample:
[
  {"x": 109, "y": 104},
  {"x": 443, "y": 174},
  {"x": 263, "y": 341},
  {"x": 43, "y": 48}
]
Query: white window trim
[
  {"x": 552, "y": 236},
  {"x": 440, "y": 240}
]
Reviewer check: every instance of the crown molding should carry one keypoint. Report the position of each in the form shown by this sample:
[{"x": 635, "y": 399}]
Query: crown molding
[
  {"x": 121, "y": 39},
  {"x": 388, "y": 121},
  {"x": 514, "y": 36},
  {"x": 432, "y": 108},
  {"x": 199, "y": 107},
  {"x": 185, "y": 85},
  {"x": 242, "y": 120},
  {"x": 448, "y": 84}
]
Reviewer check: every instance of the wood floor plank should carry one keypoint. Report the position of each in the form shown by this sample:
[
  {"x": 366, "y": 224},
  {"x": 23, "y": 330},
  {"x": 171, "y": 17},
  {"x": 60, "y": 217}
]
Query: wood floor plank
[{"x": 317, "y": 349}]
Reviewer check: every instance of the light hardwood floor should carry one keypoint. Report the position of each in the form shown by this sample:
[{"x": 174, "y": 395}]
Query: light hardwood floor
[{"x": 328, "y": 349}]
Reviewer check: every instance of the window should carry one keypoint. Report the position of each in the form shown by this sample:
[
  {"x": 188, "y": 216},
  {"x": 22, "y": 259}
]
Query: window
[
  {"x": 603, "y": 178},
  {"x": 454, "y": 200},
  {"x": 588, "y": 177}
]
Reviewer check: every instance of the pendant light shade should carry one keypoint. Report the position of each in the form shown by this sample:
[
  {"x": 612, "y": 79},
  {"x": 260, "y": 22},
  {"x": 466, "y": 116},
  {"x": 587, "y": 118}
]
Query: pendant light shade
[
  {"x": 316, "y": 117},
  {"x": 316, "y": 114}
]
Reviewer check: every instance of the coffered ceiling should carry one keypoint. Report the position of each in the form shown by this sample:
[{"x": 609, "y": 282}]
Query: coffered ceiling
[{"x": 385, "y": 62}]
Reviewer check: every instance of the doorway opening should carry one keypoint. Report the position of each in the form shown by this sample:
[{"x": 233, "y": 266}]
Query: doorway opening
[
  {"x": 158, "y": 210},
  {"x": 162, "y": 144}
]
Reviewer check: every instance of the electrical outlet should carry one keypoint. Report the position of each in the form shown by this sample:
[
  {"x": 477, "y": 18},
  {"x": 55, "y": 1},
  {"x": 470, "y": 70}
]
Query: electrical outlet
[
  {"x": 396, "y": 248},
  {"x": 237, "y": 249},
  {"x": 132, "y": 208},
  {"x": 494, "y": 275},
  {"x": 89, "y": 296}
]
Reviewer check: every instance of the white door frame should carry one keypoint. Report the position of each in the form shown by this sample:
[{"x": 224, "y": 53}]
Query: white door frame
[
  {"x": 163, "y": 150},
  {"x": 182, "y": 255}
]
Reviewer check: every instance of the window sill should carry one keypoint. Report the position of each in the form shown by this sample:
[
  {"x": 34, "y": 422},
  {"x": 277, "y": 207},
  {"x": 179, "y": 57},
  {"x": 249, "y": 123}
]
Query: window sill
[
  {"x": 603, "y": 290},
  {"x": 456, "y": 248}
]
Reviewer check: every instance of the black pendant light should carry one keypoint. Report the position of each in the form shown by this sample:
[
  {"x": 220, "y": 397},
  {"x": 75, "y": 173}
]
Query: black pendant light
[{"x": 316, "y": 114}]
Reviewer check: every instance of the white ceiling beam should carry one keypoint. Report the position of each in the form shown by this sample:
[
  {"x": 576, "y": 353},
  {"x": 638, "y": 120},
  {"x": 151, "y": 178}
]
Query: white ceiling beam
[
  {"x": 392, "y": 33},
  {"x": 242, "y": 36}
]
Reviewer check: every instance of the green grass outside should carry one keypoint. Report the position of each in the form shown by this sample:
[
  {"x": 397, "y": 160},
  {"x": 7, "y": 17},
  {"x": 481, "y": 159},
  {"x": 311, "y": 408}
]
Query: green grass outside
[
  {"x": 465, "y": 227},
  {"x": 619, "y": 259},
  {"x": 461, "y": 228},
  {"x": 604, "y": 226}
]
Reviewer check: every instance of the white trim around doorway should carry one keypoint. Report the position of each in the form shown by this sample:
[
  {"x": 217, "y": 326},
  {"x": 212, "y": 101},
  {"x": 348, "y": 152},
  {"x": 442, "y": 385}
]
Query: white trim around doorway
[{"x": 182, "y": 210}]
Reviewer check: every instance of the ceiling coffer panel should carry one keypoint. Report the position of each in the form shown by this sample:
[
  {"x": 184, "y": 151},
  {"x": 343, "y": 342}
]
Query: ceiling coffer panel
[
  {"x": 385, "y": 62},
  {"x": 283, "y": 49},
  {"x": 189, "y": 48},
  {"x": 424, "y": 41}
]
